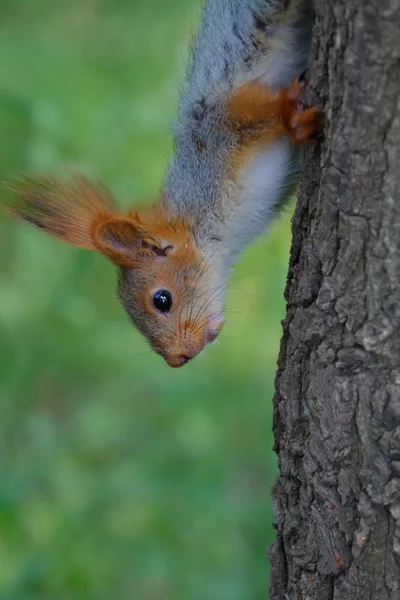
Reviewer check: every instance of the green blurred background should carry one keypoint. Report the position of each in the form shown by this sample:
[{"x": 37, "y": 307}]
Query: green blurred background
[{"x": 120, "y": 477}]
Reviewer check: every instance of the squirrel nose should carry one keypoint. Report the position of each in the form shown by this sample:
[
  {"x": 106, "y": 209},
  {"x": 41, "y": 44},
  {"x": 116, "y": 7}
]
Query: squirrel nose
[{"x": 178, "y": 361}]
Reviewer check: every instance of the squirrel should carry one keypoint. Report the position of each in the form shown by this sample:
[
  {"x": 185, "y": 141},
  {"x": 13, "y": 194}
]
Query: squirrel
[{"x": 236, "y": 160}]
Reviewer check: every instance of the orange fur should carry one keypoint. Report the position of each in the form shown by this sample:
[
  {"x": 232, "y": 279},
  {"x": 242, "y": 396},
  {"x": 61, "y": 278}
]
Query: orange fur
[
  {"x": 261, "y": 117},
  {"x": 255, "y": 107},
  {"x": 64, "y": 209},
  {"x": 157, "y": 220},
  {"x": 139, "y": 235},
  {"x": 117, "y": 238},
  {"x": 255, "y": 111}
]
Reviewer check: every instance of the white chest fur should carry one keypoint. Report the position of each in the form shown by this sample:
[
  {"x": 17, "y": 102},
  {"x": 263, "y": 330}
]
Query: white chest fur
[{"x": 262, "y": 188}]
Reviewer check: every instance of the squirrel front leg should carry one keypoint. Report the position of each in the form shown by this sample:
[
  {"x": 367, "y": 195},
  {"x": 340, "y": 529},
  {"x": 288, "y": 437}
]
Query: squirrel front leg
[{"x": 258, "y": 113}]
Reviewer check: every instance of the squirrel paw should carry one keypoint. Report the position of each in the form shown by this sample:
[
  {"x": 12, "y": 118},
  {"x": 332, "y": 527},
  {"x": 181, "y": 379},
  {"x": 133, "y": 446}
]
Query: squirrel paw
[{"x": 302, "y": 123}]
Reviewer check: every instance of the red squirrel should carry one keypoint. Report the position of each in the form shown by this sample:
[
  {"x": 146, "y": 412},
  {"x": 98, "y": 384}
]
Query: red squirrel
[{"x": 236, "y": 159}]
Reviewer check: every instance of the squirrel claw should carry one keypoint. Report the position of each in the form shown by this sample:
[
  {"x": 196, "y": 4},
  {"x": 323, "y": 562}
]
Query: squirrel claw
[{"x": 302, "y": 123}]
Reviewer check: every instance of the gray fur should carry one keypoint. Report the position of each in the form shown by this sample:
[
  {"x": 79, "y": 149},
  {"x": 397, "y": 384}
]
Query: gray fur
[{"x": 238, "y": 41}]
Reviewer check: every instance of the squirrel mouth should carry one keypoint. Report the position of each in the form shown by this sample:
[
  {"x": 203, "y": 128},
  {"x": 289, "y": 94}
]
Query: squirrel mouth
[
  {"x": 183, "y": 353},
  {"x": 178, "y": 361}
]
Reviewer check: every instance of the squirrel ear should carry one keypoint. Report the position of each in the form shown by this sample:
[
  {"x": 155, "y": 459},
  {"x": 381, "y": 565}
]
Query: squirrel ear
[
  {"x": 118, "y": 239},
  {"x": 124, "y": 241},
  {"x": 66, "y": 210}
]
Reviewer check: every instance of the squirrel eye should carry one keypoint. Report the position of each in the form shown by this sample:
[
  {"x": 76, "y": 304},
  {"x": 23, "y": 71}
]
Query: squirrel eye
[{"x": 162, "y": 300}]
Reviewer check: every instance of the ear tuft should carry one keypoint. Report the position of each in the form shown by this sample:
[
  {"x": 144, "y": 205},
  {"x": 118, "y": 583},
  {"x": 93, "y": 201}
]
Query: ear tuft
[
  {"x": 83, "y": 213},
  {"x": 64, "y": 209}
]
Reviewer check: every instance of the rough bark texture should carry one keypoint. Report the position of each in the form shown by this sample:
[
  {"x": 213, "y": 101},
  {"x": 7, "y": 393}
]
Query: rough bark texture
[{"x": 337, "y": 402}]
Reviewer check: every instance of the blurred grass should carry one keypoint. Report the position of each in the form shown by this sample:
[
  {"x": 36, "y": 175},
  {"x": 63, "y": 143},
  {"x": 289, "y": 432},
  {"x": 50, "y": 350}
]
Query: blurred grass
[{"x": 119, "y": 477}]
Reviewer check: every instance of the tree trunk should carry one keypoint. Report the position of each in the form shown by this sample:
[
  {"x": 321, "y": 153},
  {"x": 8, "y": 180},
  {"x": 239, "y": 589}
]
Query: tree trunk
[{"x": 337, "y": 401}]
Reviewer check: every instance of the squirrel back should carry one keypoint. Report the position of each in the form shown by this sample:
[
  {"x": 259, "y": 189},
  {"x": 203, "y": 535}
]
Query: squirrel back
[{"x": 242, "y": 40}]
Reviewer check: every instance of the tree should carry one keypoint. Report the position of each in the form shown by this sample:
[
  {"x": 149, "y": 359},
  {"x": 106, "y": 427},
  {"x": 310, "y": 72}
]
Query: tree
[{"x": 337, "y": 401}]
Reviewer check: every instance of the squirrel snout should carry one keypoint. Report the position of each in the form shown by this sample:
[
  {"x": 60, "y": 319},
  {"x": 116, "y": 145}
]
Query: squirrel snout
[
  {"x": 178, "y": 361},
  {"x": 183, "y": 352},
  {"x": 181, "y": 356}
]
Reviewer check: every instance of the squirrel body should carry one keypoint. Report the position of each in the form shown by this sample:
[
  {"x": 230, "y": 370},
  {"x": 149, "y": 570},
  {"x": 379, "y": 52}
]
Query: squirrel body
[
  {"x": 235, "y": 62},
  {"x": 235, "y": 163}
]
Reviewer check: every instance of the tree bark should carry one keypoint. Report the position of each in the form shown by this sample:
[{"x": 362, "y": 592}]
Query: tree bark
[{"x": 337, "y": 401}]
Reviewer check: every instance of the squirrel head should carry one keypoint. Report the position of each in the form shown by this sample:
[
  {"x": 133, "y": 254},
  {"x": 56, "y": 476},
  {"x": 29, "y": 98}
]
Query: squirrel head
[{"x": 165, "y": 284}]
